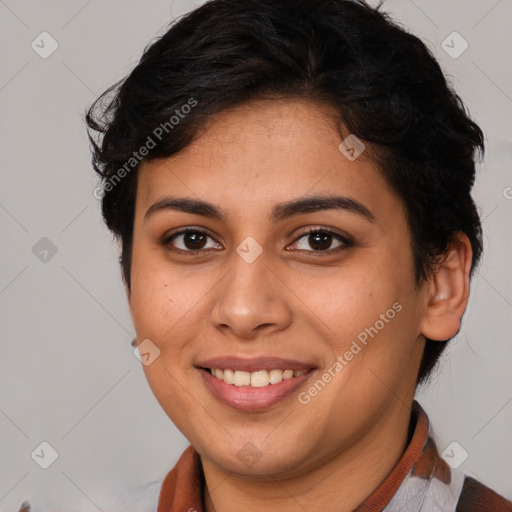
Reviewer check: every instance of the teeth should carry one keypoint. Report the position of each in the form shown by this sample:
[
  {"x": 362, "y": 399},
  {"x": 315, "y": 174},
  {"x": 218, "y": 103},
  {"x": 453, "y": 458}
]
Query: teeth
[
  {"x": 260, "y": 379},
  {"x": 275, "y": 376},
  {"x": 229, "y": 376},
  {"x": 257, "y": 379},
  {"x": 242, "y": 379}
]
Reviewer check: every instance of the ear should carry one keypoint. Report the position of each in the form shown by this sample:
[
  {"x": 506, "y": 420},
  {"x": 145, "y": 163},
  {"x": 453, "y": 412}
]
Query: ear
[{"x": 448, "y": 291}]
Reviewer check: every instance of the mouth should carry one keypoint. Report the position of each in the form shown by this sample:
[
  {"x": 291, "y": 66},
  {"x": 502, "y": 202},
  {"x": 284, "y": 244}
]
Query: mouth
[{"x": 256, "y": 390}]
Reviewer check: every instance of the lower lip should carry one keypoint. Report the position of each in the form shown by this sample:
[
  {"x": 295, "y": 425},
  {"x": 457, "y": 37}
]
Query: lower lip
[{"x": 247, "y": 398}]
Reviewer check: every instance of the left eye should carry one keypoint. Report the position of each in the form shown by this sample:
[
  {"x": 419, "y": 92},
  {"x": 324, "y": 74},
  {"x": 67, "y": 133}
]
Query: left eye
[{"x": 320, "y": 240}]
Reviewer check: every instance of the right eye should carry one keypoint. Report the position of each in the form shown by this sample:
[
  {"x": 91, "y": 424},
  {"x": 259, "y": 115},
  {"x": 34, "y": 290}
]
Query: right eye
[{"x": 191, "y": 241}]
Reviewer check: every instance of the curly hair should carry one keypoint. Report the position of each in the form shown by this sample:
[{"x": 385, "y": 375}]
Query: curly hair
[{"x": 382, "y": 82}]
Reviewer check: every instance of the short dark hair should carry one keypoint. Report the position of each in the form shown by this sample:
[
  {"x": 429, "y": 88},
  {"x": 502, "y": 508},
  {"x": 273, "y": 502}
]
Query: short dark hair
[{"x": 381, "y": 81}]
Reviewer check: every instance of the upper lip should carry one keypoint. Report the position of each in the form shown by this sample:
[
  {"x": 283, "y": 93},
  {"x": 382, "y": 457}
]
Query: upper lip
[{"x": 253, "y": 364}]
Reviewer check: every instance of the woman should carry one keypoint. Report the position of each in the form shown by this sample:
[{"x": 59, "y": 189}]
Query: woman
[{"x": 290, "y": 182}]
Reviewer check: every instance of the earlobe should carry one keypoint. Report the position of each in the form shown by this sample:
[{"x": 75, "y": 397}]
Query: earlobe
[{"x": 448, "y": 291}]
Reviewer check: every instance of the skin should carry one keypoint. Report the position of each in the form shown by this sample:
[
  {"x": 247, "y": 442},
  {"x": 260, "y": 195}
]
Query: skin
[{"x": 333, "y": 452}]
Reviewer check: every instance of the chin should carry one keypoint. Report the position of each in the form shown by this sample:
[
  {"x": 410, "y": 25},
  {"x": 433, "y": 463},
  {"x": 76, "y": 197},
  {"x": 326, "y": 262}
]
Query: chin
[{"x": 257, "y": 462}]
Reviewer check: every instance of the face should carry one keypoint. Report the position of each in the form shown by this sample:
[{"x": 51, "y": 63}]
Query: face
[{"x": 271, "y": 275}]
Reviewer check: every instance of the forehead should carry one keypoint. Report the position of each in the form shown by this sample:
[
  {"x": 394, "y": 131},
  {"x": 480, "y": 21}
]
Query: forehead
[{"x": 263, "y": 153}]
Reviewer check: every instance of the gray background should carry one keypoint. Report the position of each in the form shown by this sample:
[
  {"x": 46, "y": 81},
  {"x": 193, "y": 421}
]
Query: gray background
[{"x": 68, "y": 375}]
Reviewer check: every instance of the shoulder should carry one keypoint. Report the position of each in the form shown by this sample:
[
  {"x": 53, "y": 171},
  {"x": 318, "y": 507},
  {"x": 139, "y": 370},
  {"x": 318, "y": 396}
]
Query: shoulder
[{"x": 477, "y": 497}]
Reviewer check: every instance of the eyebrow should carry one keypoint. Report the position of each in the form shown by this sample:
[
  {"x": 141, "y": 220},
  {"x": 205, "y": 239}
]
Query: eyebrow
[{"x": 277, "y": 213}]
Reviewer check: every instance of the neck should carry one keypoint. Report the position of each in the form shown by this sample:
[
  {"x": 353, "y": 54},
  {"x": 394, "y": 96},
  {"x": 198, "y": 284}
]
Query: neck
[{"x": 338, "y": 485}]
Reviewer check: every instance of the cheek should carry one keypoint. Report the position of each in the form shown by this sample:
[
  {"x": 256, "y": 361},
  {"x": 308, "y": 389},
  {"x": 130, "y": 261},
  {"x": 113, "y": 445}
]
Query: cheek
[
  {"x": 369, "y": 304},
  {"x": 159, "y": 298},
  {"x": 349, "y": 301},
  {"x": 167, "y": 307},
  {"x": 151, "y": 304},
  {"x": 166, "y": 385}
]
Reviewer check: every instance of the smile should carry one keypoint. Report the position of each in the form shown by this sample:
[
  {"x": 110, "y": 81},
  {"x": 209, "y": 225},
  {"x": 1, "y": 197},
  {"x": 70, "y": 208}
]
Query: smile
[{"x": 253, "y": 391}]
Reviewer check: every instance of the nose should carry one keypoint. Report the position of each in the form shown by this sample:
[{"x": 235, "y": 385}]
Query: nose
[{"x": 252, "y": 300}]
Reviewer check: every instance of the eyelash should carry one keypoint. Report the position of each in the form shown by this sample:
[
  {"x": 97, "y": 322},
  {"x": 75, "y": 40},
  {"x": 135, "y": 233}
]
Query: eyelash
[{"x": 346, "y": 241}]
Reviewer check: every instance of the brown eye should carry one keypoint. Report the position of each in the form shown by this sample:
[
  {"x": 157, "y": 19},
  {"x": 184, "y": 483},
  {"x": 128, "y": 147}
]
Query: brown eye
[
  {"x": 194, "y": 240},
  {"x": 189, "y": 241},
  {"x": 321, "y": 240}
]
